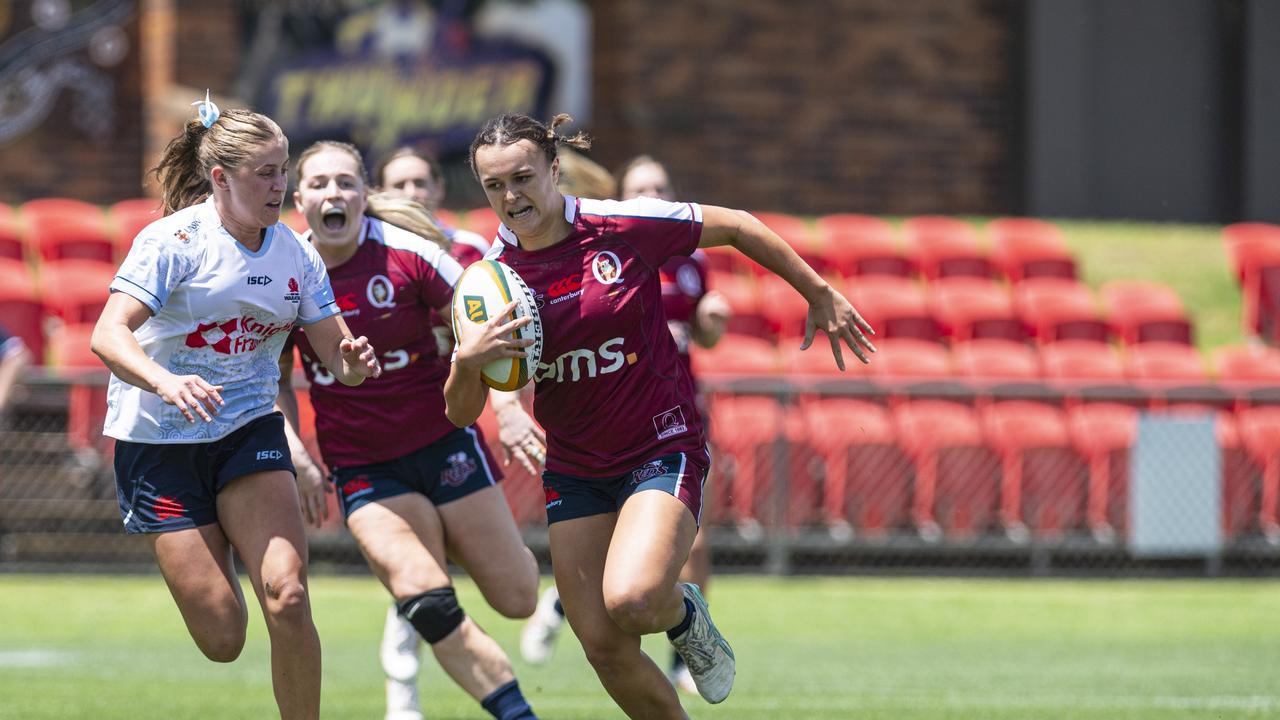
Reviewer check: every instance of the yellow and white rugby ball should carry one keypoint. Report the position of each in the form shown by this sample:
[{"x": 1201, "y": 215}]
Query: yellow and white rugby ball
[{"x": 484, "y": 289}]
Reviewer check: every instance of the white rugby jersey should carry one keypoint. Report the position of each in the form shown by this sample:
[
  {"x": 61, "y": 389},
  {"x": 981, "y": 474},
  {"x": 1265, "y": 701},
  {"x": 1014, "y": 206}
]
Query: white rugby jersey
[{"x": 220, "y": 312}]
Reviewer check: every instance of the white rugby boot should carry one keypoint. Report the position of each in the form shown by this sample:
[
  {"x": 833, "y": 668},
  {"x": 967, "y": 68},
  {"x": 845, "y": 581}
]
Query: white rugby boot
[
  {"x": 402, "y": 700},
  {"x": 538, "y": 637},
  {"x": 399, "y": 649},
  {"x": 705, "y": 651}
]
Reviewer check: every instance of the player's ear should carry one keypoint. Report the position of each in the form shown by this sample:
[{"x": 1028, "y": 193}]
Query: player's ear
[{"x": 218, "y": 175}]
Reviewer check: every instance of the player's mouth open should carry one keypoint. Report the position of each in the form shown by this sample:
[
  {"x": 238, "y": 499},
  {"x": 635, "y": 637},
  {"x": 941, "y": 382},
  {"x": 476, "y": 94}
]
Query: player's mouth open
[
  {"x": 521, "y": 213},
  {"x": 334, "y": 218}
]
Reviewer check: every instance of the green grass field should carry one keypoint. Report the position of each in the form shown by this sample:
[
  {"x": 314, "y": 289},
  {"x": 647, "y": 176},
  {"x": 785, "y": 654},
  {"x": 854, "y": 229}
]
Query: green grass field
[{"x": 108, "y": 647}]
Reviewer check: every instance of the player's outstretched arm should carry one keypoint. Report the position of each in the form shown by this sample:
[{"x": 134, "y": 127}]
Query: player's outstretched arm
[
  {"x": 113, "y": 341},
  {"x": 829, "y": 311},
  {"x": 348, "y": 359}
]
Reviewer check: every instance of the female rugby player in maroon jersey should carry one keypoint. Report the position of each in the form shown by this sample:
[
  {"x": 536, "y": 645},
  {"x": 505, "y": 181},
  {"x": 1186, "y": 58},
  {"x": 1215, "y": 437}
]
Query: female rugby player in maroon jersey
[{"x": 626, "y": 450}]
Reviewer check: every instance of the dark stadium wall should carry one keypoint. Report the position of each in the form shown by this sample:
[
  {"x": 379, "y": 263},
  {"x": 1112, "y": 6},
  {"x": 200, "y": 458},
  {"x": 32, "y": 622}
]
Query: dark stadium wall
[{"x": 1135, "y": 109}]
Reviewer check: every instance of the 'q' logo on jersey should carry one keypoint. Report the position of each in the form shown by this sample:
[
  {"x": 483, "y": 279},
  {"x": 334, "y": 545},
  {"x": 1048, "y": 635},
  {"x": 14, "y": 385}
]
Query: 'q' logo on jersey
[{"x": 475, "y": 308}]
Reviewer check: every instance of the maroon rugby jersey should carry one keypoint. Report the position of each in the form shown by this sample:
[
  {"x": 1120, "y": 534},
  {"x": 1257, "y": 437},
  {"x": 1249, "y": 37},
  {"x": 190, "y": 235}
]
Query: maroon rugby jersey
[
  {"x": 611, "y": 390},
  {"x": 684, "y": 284},
  {"x": 387, "y": 292}
]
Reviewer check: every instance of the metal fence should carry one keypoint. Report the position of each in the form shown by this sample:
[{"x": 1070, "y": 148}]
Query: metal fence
[{"x": 839, "y": 476}]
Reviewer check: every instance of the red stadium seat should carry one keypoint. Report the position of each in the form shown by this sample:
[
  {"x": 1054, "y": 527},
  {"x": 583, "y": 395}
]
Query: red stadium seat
[
  {"x": 817, "y": 362},
  {"x": 1160, "y": 361},
  {"x": 946, "y": 246},
  {"x": 12, "y": 246},
  {"x": 995, "y": 360},
  {"x": 865, "y": 472},
  {"x": 1260, "y": 435},
  {"x": 87, "y": 401},
  {"x": 957, "y": 477},
  {"x": 783, "y": 307},
  {"x": 745, "y": 428},
  {"x": 863, "y": 245},
  {"x": 64, "y": 229},
  {"x": 20, "y": 310},
  {"x": 910, "y": 359},
  {"x": 895, "y": 307},
  {"x": 1058, "y": 309},
  {"x": 75, "y": 291},
  {"x": 1236, "y": 235},
  {"x": 1141, "y": 311},
  {"x": 743, "y": 296},
  {"x": 1081, "y": 361},
  {"x": 1104, "y": 433},
  {"x": 1043, "y": 479},
  {"x": 1253, "y": 373},
  {"x": 1256, "y": 256},
  {"x": 971, "y": 307},
  {"x": 1026, "y": 248},
  {"x": 127, "y": 218},
  {"x": 1176, "y": 371},
  {"x": 736, "y": 356}
]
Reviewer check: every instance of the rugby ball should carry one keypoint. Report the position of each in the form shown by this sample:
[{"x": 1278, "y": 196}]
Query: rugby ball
[{"x": 485, "y": 288}]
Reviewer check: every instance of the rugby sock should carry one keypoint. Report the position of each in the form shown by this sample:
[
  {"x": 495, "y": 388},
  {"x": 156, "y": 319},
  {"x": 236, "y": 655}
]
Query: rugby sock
[
  {"x": 678, "y": 630},
  {"x": 508, "y": 703},
  {"x": 558, "y": 608}
]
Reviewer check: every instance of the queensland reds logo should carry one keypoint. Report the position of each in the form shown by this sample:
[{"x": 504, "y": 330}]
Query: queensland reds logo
[
  {"x": 380, "y": 291},
  {"x": 606, "y": 267},
  {"x": 460, "y": 468}
]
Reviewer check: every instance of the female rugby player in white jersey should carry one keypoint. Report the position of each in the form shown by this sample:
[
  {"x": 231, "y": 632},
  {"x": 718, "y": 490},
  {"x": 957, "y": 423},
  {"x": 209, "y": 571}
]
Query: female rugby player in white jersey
[
  {"x": 197, "y": 315},
  {"x": 626, "y": 450},
  {"x": 413, "y": 488}
]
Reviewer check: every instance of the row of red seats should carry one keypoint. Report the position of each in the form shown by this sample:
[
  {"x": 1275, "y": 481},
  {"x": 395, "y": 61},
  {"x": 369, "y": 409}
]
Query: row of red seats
[
  {"x": 852, "y": 245},
  {"x": 965, "y": 308},
  {"x": 946, "y": 468},
  {"x": 1158, "y": 365}
]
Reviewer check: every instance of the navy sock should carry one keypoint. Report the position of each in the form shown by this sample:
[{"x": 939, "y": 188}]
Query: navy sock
[
  {"x": 678, "y": 630},
  {"x": 508, "y": 703},
  {"x": 558, "y": 608}
]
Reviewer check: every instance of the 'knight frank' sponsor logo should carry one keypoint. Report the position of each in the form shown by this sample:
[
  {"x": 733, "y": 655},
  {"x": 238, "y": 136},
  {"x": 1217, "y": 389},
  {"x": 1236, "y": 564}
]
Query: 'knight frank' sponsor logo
[
  {"x": 234, "y": 336},
  {"x": 583, "y": 362}
]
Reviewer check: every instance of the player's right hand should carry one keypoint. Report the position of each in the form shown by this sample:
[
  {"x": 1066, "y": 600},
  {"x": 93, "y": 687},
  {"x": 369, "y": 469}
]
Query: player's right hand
[
  {"x": 191, "y": 395},
  {"x": 482, "y": 343}
]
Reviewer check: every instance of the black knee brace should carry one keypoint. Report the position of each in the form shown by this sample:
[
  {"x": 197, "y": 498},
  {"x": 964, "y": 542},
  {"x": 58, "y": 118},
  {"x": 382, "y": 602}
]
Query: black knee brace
[{"x": 434, "y": 613}]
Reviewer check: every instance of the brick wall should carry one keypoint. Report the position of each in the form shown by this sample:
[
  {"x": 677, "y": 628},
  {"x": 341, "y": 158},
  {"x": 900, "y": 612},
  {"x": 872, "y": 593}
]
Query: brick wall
[
  {"x": 809, "y": 107},
  {"x": 817, "y": 106},
  {"x": 60, "y": 157}
]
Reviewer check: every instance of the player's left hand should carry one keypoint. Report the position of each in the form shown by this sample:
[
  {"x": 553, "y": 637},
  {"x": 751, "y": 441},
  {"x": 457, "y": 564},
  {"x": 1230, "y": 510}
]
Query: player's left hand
[
  {"x": 521, "y": 438},
  {"x": 360, "y": 357},
  {"x": 835, "y": 316}
]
